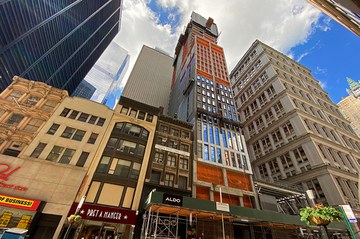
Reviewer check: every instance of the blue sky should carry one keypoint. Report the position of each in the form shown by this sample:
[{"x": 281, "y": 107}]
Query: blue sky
[
  {"x": 294, "y": 27},
  {"x": 332, "y": 56}
]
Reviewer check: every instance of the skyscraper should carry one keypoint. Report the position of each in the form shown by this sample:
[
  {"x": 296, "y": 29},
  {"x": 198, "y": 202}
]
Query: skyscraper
[
  {"x": 294, "y": 132},
  {"x": 350, "y": 105},
  {"x": 150, "y": 79},
  {"x": 84, "y": 90},
  {"x": 202, "y": 96},
  {"x": 345, "y": 12},
  {"x": 55, "y": 42},
  {"x": 107, "y": 75}
]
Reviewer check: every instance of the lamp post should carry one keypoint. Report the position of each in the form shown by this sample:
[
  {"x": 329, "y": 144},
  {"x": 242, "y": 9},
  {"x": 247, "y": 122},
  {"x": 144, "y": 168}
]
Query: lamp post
[
  {"x": 323, "y": 229},
  {"x": 82, "y": 200}
]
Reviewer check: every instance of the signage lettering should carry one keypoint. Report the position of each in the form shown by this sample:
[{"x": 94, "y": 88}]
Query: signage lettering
[
  {"x": 22, "y": 203},
  {"x": 5, "y": 172},
  {"x": 172, "y": 199},
  {"x": 106, "y": 214}
]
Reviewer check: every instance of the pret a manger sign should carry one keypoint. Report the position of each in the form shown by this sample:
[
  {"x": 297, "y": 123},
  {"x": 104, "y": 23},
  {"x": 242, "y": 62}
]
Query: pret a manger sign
[{"x": 5, "y": 171}]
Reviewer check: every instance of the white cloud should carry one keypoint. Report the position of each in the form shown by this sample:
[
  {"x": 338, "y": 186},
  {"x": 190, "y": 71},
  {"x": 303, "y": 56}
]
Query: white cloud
[
  {"x": 323, "y": 84},
  {"x": 320, "y": 71},
  {"x": 281, "y": 24}
]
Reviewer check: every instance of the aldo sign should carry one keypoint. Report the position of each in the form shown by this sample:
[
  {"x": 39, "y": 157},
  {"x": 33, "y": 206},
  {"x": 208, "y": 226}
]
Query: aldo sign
[{"x": 171, "y": 199}]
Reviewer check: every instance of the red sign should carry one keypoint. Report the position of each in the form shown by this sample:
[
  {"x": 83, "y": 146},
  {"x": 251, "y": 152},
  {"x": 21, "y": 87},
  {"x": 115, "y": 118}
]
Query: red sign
[
  {"x": 5, "y": 172},
  {"x": 105, "y": 214},
  {"x": 18, "y": 202}
]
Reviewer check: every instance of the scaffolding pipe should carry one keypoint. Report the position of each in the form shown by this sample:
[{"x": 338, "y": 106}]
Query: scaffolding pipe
[{"x": 147, "y": 224}]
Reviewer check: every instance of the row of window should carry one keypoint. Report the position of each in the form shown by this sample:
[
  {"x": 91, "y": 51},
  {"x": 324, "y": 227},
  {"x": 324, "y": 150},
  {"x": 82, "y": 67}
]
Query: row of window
[
  {"x": 169, "y": 179},
  {"x": 211, "y": 134},
  {"x": 124, "y": 146},
  {"x": 172, "y": 143},
  {"x": 213, "y": 154},
  {"x": 319, "y": 114},
  {"x": 137, "y": 114},
  {"x": 131, "y": 129},
  {"x": 174, "y": 131},
  {"x": 283, "y": 166},
  {"x": 340, "y": 158},
  {"x": 349, "y": 190},
  {"x": 119, "y": 167},
  {"x": 172, "y": 160},
  {"x": 83, "y": 117},
  {"x": 267, "y": 118},
  {"x": 60, "y": 154},
  {"x": 72, "y": 133},
  {"x": 253, "y": 88},
  {"x": 31, "y": 100},
  {"x": 260, "y": 102},
  {"x": 244, "y": 66}
]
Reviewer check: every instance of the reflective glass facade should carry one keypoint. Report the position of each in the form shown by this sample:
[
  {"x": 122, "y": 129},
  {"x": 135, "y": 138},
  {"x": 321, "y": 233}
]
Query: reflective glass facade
[{"x": 56, "y": 42}]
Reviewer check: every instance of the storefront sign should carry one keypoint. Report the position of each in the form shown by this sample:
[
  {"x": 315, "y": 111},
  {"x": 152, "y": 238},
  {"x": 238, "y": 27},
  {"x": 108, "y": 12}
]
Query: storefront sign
[
  {"x": 5, "y": 172},
  {"x": 220, "y": 206},
  {"x": 105, "y": 214},
  {"x": 17, "y": 202},
  {"x": 171, "y": 199},
  {"x": 24, "y": 222},
  {"x": 349, "y": 213},
  {"x": 176, "y": 151},
  {"x": 5, "y": 219}
]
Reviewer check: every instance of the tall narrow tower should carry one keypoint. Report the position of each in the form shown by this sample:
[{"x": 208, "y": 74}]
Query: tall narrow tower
[{"x": 201, "y": 95}]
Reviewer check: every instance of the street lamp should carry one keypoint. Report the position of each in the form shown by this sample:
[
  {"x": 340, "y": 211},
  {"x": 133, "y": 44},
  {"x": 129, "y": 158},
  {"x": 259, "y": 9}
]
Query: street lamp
[{"x": 82, "y": 200}]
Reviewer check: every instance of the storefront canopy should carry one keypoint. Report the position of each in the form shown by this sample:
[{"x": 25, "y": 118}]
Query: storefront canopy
[{"x": 205, "y": 209}]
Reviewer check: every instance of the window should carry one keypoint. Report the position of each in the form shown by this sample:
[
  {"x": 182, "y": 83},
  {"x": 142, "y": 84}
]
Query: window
[
  {"x": 205, "y": 134},
  {"x": 54, "y": 127},
  {"x": 68, "y": 132},
  {"x": 82, "y": 159},
  {"x": 55, "y": 153},
  {"x": 38, "y": 150},
  {"x": 66, "y": 157},
  {"x": 212, "y": 154},
  {"x": 32, "y": 100},
  {"x": 206, "y": 152},
  {"x": 83, "y": 117},
  {"x": 132, "y": 129},
  {"x": 171, "y": 161},
  {"x": 141, "y": 115},
  {"x": 133, "y": 113},
  {"x": 184, "y": 147},
  {"x": 155, "y": 177},
  {"x": 65, "y": 112},
  {"x": 169, "y": 180},
  {"x": 74, "y": 114},
  {"x": 79, "y": 135},
  {"x": 15, "y": 119},
  {"x": 159, "y": 157},
  {"x": 92, "y": 138},
  {"x": 183, "y": 163},
  {"x": 185, "y": 134},
  {"x": 173, "y": 144},
  {"x": 92, "y": 119},
  {"x": 49, "y": 105},
  {"x": 111, "y": 143},
  {"x": 33, "y": 125},
  {"x": 164, "y": 128},
  {"x": 103, "y": 165},
  {"x": 175, "y": 132},
  {"x": 182, "y": 182},
  {"x": 122, "y": 168},
  {"x": 100, "y": 122},
  {"x": 135, "y": 171},
  {"x": 149, "y": 118},
  {"x": 124, "y": 110},
  {"x": 15, "y": 96}
]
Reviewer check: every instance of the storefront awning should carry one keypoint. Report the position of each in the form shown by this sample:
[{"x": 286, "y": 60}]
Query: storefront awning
[{"x": 183, "y": 206}]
